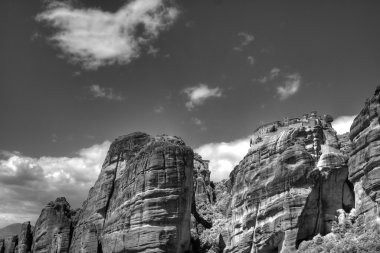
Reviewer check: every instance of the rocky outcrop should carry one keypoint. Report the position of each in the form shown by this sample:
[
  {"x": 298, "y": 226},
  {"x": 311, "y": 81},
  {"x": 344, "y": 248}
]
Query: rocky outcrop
[
  {"x": 53, "y": 228},
  {"x": 288, "y": 187},
  {"x": 25, "y": 238},
  {"x": 364, "y": 162},
  {"x": 209, "y": 231},
  {"x": 10, "y": 244},
  {"x": 142, "y": 199}
]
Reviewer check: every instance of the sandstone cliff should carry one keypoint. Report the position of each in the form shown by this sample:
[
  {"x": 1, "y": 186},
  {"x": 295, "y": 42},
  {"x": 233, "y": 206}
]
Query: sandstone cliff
[
  {"x": 141, "y": 201},
  {"x": 300, "y": 186},
  {"x": 288, "y": 187},
  {"x": 364, "y": 162},
  {"x": 53, "y": 229}
]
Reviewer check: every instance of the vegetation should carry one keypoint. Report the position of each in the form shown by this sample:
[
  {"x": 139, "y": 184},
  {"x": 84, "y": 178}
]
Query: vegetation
[{"x": 345, "y": 238}]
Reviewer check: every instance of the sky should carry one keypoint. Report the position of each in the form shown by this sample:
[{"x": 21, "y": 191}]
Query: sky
[{"x": 76, "y": 74}]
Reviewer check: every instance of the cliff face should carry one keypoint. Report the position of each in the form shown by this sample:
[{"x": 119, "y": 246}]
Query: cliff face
[
  {"x": 154, "y": 194},
  {"x": 141, "y": 201},
  {"x": 53, "y": 228},
  {"x": 209, "y": 230},
  {"x": 288, "y": 187},
  {"x": 364, "y": 162}
]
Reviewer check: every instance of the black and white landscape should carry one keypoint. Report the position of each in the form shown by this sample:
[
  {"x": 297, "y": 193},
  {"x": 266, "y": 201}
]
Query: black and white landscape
[{"x": 189, "y": 126}]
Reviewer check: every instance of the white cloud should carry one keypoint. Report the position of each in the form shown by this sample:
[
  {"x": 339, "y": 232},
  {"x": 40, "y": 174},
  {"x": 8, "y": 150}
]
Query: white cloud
[
  {"x": 246, "y": 39},
  {"x": 251, "y": 60},
  {"x": 27, "y": 184},
  {"x": 286, "y": 83},
  {"x": 94, "y": 38},
  {"x": 342, "y": 124},
  {"x": 223, "y": 156},
  {"x": 101, "y": 92},
  {"x": 197, "y": 95},
  {"x": 290, "y": 86},
  {"x": 199, "y": 123},
  {"x": 273, "y": 74},
  {"x": 159, "y": 109}
]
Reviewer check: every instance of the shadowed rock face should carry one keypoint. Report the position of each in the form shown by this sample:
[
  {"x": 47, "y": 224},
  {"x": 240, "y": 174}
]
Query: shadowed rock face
[
  {"x": 53, "y": 228},
  {"x": 209, "y": 230},
  {"x": 141, "y": 201},
  {"x": 25, "y": 238},
  {"x": 364, "y": 162},
  {"x": 288, "y": 188}
]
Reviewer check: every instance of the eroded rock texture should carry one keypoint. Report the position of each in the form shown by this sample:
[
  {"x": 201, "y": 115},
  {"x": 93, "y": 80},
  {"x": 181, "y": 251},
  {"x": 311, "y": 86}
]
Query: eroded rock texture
[
  {"x": 53, "y": 228},
  {"x": 288, "y": 187},
  {"x": 364, "y": 162},
  {"x": 10, "y": 244},
  {"x": 25, "y": 238},
  {"x": 209, "y": 231},
  {"x": 142, "y": 199}
]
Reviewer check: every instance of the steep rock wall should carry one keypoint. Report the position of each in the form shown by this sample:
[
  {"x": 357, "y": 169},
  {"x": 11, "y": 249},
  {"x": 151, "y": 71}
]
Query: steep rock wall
[
  {"x": 288, "y": 188},
  {"x": 53, "y": 228},
  {"x": 364, "y": 162},
  {"x": 141, "y": 201}
]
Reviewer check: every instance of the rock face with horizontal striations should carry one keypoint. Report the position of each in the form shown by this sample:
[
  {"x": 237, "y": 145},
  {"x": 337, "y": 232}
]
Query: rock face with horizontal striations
[
  {"x": 10, "y": 244},
  {"x": 142, "y": 199},
  {"x": 209, "y": 231},
  {"x": 53, "y": 228},
  {"x": 25, "y": 239},
  {"x": 288, "y": 187},
  {"x": 364, "y": 162}
]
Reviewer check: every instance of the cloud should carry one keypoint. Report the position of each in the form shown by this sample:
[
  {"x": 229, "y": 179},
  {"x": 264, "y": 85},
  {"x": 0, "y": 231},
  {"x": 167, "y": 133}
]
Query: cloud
[
  {"x": 159, "y": 109},
  {"x": 251, "y": 60},
  {"x": 199, "y": 122},
  {"x": 273, "y": 74},
  {"x": 107, "y": 93},
  {"x": 94, "y": 38},
  {"x": 197, "y": 95},
  {"x": 27, "y": 184},
  {"x": 342, "y": 124},
  {"x": 290, "y": 86},
  {"x": 223, "y": 156},
  {"x": 287, "y": 84},
  {"x": 246, "y": 39}
]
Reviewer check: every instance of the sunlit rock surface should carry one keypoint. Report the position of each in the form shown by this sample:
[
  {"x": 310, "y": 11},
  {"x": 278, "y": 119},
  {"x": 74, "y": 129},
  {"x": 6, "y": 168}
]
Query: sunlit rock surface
[
  {"x": 25, "y": 238},
  {"x": 210, "y": 230},
  {"x": 53, "y": 228},
  {"x": 142, "y": 199},
  {"x": 364, "y": 162},
  {"x": 288, "y": 187}
]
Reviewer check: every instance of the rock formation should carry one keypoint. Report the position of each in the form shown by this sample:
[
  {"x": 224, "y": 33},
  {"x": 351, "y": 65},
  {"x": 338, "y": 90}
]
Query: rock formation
[
  {"x": 53, "y": 228},
  {"x": 25, "y": 238},
  {"x": 298, "y": 181},
  {"x": 288, "y": 187},
  {"x": 209, "y": 231},
  {"x": 141, "y": 201},
  {"x": 364, "y": 162}
]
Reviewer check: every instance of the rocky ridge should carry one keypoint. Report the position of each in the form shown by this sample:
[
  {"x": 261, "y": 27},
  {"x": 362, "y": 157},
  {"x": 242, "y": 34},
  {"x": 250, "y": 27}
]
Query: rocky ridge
[{"x": 301, "y": 187}]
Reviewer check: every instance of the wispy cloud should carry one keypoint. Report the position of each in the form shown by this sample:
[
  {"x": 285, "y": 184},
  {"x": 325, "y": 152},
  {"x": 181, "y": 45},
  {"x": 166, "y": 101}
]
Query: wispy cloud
[
  {"x": 27, "y": 184},
  {"x": 342, "y": 124},
  {"x": 197, "y": 95},
  {"x": 108, "y": 93},
  {"x": 223, "y": 156},
  {"x": 290, "y": 86},
  {"x": 245, "y": 40},
  {"x": 159, "y": 109},
  {"x": 199, "y": 123},
  {"x": 95, "y": 38},
  {"x": 251, "y": 60},
  {"x": 287, "y": 83}
]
